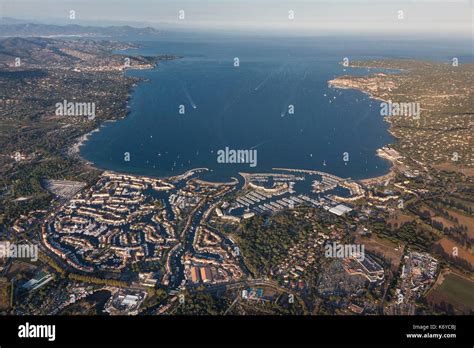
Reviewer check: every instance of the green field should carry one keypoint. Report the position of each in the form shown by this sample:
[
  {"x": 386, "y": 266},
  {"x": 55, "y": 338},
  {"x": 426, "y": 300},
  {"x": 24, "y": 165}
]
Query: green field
[{"x": 457, "y": 291}]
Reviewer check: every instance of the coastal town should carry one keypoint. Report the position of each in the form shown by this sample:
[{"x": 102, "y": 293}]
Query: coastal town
[{"x": 177, "y": 234}]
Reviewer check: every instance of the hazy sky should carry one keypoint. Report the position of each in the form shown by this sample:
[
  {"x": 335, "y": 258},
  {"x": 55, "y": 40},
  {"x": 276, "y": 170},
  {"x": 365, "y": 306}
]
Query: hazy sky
[{"x": 435, "y": 17}]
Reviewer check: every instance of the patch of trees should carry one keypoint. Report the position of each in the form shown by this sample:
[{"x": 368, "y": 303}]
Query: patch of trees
[
  {"x": 99, "y": 281},
  {"x": 202, "y": 303},
  {"x": 264, "y": 244},
  {"x": 453, "y": 260}
]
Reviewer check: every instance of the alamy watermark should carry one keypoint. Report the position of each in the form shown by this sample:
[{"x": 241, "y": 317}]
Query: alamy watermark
[
  {"x": 66, "y": 108},
  {"x": 18, "y": 251},
  {"x": 37, "y": 331},
  {"x": 237, "y": 156},
  {"x": 400, "y": 109},
  {"x": 342, "y": 251}
]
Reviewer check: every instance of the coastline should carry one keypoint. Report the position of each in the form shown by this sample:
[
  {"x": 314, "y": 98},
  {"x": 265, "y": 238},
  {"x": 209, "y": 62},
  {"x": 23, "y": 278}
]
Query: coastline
[
  {"x": 74, "y": 150},
  {"x": 346, "y": 82},
  {"x": 382, "y": 178}
]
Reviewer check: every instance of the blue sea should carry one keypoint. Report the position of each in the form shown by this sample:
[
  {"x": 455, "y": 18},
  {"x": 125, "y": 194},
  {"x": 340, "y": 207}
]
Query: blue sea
[{"x": 247, "y": 106}]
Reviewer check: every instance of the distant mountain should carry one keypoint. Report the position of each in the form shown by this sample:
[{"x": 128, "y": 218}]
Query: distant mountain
[
  {"x": 54, "y": 52},
  {"x": 32, "y": 50},
  {"x": 9, "y": 20},
  {"x": 11, "y": 28}
]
